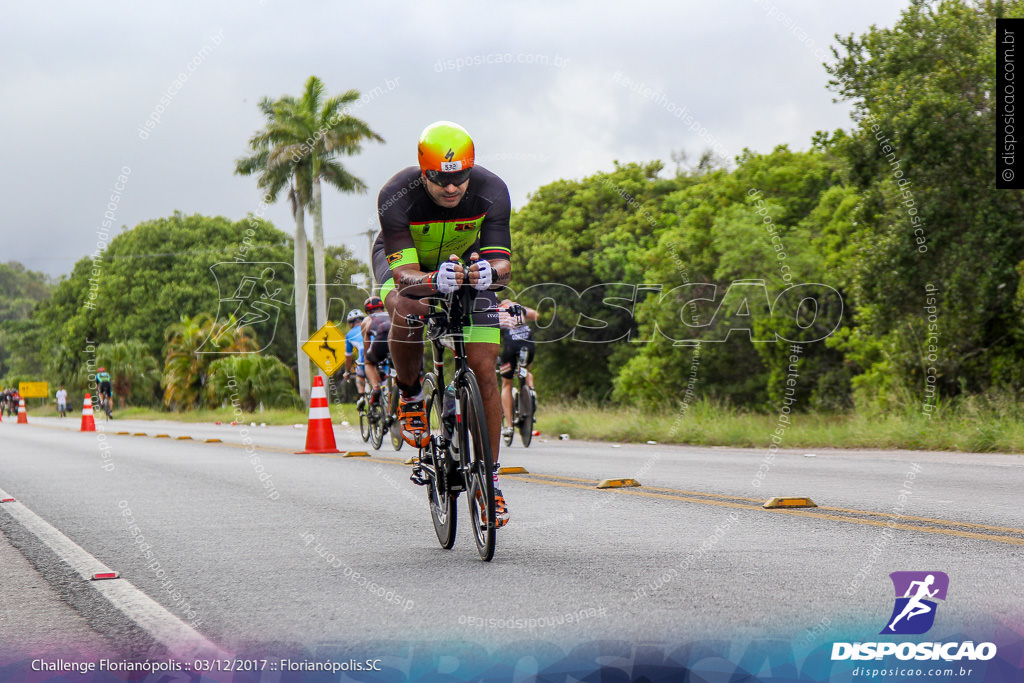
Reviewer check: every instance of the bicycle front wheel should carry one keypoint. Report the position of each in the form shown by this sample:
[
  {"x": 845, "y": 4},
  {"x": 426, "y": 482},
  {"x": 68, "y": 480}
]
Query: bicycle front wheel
[
  {"x": 442, "y": 502},
  {"x": 475, "y": 450},
  {"x": 377, "y": 424},
  {"x": 364, "y": 423},
  {"x": 392, "y": 406},
  {"x": 526, "y": 404},
  {"x": 507, "y": 436}
]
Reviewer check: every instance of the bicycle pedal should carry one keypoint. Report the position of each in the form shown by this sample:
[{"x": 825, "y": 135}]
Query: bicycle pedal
[{"x": 417, "y": 477}]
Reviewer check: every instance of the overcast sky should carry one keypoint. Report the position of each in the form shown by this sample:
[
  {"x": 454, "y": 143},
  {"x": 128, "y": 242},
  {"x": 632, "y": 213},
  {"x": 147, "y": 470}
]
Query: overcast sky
[{"x": 548, "y": 90}]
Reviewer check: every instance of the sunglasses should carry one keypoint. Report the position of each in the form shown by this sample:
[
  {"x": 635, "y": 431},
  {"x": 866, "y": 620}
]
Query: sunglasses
[{"x": 445, "y": 179}]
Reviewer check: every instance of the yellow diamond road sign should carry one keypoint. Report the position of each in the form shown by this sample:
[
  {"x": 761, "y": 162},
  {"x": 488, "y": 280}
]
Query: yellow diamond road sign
[{"x": 326, "y": 348}]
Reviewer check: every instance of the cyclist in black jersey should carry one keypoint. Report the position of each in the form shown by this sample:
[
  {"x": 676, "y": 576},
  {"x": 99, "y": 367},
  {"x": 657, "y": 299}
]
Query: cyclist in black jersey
[
  {"x": 375, "y": 328},
  {"x": 443, "y": 224},
  {"x": 515, "y": 334}
]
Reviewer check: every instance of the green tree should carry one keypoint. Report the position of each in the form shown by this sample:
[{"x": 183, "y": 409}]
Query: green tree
[
  {"x": 571, "y": 238},
  {"x": 922, "y": 159},
  {"x": 151, "y": 275},
  {"x": 22, "y": 351},
  {"x": 248, "y": 380},
  {"x": 20, "y": 290},
  {"x": 729, "y": 244},
  {"x": 134, "y": 372},
  {"x": 192, "y": 345}
]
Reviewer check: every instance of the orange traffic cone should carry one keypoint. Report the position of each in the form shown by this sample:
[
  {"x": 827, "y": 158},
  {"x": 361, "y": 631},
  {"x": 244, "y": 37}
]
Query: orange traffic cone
[
  {"x": 320, "y": 432},
  {"x": 88, "y": 422},
  {"x": 22, "y": 415}
]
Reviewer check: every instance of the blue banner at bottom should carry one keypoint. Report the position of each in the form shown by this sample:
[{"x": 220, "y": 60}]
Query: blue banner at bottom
[{"x": 959, "y": 659}]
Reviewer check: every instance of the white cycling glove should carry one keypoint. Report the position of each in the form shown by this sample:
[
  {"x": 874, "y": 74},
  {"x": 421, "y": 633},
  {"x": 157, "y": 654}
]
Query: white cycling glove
[
  {"x": 484, "y": 273},
  {"x": 445, "y": 281}
]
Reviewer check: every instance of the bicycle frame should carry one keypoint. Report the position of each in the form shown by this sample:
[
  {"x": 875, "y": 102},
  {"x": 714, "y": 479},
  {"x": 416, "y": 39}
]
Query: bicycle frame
[{"x": 446, "y": 329}]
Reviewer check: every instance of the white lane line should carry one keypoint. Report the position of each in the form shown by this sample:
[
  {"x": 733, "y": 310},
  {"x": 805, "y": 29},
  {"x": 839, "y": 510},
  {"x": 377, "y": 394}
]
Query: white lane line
[{"x": 181, "y": 640}]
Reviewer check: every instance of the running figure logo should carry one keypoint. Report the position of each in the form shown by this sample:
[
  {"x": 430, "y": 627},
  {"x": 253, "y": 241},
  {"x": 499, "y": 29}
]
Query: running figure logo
[
  {"x": 250, "y": 294},
  {"x": 914, "y": 611}
]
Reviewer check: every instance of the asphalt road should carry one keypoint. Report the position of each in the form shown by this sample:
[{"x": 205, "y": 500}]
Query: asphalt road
[{"x": 264, "y": 550}]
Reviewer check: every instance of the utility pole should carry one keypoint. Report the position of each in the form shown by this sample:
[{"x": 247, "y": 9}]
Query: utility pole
[{"x": 371, "y": 234}]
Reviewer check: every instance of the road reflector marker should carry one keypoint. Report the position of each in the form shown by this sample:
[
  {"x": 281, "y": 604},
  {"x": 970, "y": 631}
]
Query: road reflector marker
[
  {"x": 512, "y": 470},
  {"x": 356, "y": 454},
  {"x": 183, "y": 438},
  {"x": 139, "y": 434},
  {"x": 775, "y": 503},
  {"x": 213, "y": 441},
  {"x": 99, "y": 576},
  {"x": 6, "y": 500},
  {"x": 617, "y": 483},
  {"x": 162, "y": 436}
]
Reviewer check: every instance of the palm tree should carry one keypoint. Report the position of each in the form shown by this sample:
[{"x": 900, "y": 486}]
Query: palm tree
[
  {"x": 249, "y": 380},
  {"x": 185, "y": 368},
  {"x": 325, "y": 132},
  {"x": 130, "y": 366},
  {"x": 299, "y": 148},
  {"x": 276, "y": 173}
]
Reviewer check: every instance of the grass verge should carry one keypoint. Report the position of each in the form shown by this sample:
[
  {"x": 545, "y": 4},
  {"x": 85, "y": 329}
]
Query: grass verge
[{"x": 962, "y": 427}]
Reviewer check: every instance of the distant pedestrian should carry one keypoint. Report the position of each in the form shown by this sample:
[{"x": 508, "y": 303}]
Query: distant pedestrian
[{"x": 62, "y": 402}]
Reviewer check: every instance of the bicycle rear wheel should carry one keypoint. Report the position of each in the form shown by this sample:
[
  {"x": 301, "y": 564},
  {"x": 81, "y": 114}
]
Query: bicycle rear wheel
[
  {"x": 475, "y": 447},
  {"x": 443, "y": 511},
  {"x": 526, "y": 404}
]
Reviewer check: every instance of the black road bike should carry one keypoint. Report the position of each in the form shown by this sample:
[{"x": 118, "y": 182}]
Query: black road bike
[
  {"x": 524, "y": 403},
  {"x": 457, "y": 457},
  {"x": 380, "y": 417}
]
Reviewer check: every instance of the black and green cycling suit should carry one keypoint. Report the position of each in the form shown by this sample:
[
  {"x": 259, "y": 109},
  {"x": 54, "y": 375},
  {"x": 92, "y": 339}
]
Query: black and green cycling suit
[
  {"x": 103, "y": 378},
  {"x": 416, "y": 230}
]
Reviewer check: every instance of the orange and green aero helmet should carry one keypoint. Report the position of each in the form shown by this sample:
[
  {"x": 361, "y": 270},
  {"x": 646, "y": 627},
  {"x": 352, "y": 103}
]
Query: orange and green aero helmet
[{"x": 446, "y": 153}]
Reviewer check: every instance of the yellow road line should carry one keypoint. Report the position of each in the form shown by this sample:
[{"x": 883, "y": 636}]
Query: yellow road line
[
  {"x": 551, "y": 480},
  {"x": 924, "y": 519},
  {"x": 912, "y": 527}
]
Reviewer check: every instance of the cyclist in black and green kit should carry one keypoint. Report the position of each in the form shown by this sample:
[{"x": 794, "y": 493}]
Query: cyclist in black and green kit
[
  {"x": 106, "y": 394},
  {"x": 443, "y": 224}
]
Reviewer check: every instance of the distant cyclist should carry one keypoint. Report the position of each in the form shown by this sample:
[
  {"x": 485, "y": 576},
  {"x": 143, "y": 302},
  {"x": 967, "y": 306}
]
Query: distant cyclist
[
  {"x": 515, "y": 334},
  {"x": 106, "y": 394},
  {"x": 443, "y": 224},
  {"x": 375, "y": 329},
  {"x": 354, "y": 350}
]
